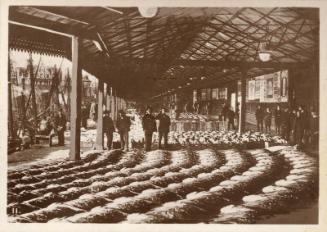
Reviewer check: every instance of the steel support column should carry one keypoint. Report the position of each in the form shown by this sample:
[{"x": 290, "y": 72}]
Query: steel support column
[
  {"x": 75, "y": 101},
  {"x": 99, "y": 138},
  {"x": 242, "y": 120}
]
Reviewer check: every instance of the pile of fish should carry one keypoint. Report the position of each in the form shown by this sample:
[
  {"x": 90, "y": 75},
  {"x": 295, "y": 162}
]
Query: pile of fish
[{"x": 183, "y": 186}]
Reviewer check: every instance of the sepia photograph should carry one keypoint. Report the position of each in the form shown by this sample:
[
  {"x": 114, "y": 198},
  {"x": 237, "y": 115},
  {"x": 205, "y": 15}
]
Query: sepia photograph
[{"x": 162, "y": 114}]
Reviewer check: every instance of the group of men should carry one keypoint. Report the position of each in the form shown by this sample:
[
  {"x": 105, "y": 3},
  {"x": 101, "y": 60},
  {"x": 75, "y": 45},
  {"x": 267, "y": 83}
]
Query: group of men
[
  {"x": 149, "y": 125},
  {"x": 228, "y": 116},
  {"x": 264, "y": 118},
  {"x": 298, "y": 125},
  {"x": 54, "y": 124},
  {"x": 51, "y": 125},
  {"x": 123, "y": 125}
]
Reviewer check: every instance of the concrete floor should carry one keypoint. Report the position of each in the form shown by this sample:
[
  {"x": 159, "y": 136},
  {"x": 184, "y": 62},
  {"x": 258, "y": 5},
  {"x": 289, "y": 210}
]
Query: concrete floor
[{"x": 306, "y": 214}]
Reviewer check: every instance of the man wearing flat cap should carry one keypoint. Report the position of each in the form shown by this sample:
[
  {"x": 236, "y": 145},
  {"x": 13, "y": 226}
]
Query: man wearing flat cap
[{"x": 149, "y": 126}]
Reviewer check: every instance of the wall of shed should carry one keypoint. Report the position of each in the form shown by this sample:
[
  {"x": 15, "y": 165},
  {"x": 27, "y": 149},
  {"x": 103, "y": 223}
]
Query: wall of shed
[{"x": 306, "y": 93}]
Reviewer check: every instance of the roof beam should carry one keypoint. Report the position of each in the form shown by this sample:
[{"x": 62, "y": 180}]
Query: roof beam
[
  {"x": 223, "y": 64},
  {"x": 278, "y": 22},
  {"x": 147, "y": 38},
  {"x": 202, "y": 45},
  {"x": 40, "y": 23},
  {"x": 40, "y": 28},
  {"x": 128, "y": 36},
  {"x": 22, "y": 8},
  {"x": 280, "y": 49}
]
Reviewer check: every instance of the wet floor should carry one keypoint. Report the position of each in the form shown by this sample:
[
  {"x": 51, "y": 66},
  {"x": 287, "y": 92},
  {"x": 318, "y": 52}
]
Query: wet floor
[{"x": 307, "y": 215}]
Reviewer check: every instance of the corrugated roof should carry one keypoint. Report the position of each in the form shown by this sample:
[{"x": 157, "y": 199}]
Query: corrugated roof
[{"x": 147, "y": 52}]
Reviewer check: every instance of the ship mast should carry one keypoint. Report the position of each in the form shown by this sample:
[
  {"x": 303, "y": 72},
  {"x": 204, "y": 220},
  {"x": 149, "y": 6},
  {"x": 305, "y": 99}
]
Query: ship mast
[
  {"x": 32, "y": 78},
  {"x": 11, "y": 133}
]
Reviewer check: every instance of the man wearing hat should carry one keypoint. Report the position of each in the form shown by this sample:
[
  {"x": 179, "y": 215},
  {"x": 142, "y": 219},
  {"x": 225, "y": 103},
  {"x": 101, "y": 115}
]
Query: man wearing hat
[
  {"x": 60, "y": 125},
  {"x": 149, "y": 126},
  {"x": 108, "y": 128},
  {"x": 123, "y": 126},
  {"x": 163, "y": 128}
]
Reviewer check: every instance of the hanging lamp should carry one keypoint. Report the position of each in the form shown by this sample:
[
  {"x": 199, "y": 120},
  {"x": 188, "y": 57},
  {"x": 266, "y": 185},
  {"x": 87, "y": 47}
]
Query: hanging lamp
[
  {"x": 148, "y": 12},
  {"x": 264, "y": 51}
]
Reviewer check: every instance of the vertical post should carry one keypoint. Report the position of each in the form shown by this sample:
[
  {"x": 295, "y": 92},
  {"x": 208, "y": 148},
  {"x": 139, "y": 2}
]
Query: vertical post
[
  {"x": 107, "y": 93},
  {"x": 10, "y": 114},
  {"x": 241, "y": 127},
  {"x": 99, "y": 138},
  {"x": 112, "y": 114},
  {"x": 291, "y": 93},
  {"x": 115, "y": 104},
  {"x": 237, "y": 107},
  {"x": 75, "y": 104},
  {"x": 68, "y": 88},
  {"x": 236, "y": 94},
  {"x": 118, "y": 104}
]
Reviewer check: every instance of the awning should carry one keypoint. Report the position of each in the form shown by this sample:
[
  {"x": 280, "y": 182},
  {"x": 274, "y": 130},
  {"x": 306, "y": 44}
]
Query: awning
[{"x": 176, "y": 47}]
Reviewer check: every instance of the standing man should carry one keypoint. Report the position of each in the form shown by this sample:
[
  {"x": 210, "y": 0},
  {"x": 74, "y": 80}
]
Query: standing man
[
  {"x": 224, "y": 113},
  {"x": 230, "y": 117},
  {"x": 207, "y": 108},
  {"x": 237, "y": 114},
  {"x": 313, "y": 129},
  {"x": 259, "y": 114},
  {"x": 301, "y": 121},
  {"x": 149, "y": 126},
  {"x": 123, "y": 126},
  {"x": 60, "y": 122},
  {"x": 177, "y": 112},
  {"x": 108, "y": 128},
  {"x": 306, "y": 124},
  {"x": 267, "y": 118},
  {"x": 163, "y": 128},
  {"x": 196, "y": 107},
  {"x": 293, "y": 122},
  {"x": 84, "y": 114},
  {"x": 286, "y": 124},
  {"x": 93, "y": 111},
  {"x": 278, "y": 118}
]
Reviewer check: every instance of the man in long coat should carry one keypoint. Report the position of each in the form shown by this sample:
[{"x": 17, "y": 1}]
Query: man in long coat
[
  {"x": 259, "y": 115},
  {"x": 123, "y": 126},
  {"x": 60, "y": 122},
  {"x": 108, "y": 128},
  {"x": 149, "y": 126},
  {"x": 163, "y": 128}
]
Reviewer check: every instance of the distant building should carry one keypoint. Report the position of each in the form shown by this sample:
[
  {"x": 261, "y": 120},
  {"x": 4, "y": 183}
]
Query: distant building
[{"x": 21, "y": 76}]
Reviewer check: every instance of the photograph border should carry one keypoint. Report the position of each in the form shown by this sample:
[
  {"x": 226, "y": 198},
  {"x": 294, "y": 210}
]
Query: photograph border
[{"x": 322, "y": 226}]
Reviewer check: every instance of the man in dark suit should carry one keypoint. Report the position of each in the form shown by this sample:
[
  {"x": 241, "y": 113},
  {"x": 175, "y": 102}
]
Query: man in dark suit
[
  {"x": 60, "y": 122},
  {"x": 123, "y": 127},
  {"x": 286, "y": 124},
  {"x": 224, "y": 115},
  {"x": 230, "y": 118},
  {"x": 259, "y": 115},
  {"x": 108, "y": 128},
  {"x": 84, "y": 115},
  {"x": 278, "y": 117},
  {"x": 301, "y": 122},
  {"x": 149, "y": 126},
  {"x": 163, "y": 128}
]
